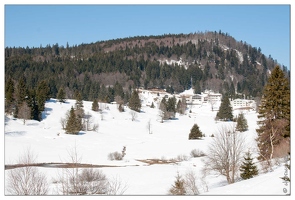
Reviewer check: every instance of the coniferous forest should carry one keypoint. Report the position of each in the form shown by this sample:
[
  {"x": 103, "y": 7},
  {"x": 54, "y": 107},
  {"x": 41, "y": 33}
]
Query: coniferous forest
[{"x": 106, "y": 69}]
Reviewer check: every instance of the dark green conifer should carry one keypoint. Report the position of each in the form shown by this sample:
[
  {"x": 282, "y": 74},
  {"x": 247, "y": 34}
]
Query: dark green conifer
[
  {"x": 242, "y": 124},
  {"x": 152, "y": 106},
  {"x": 95, "y": 105},
  {"x": 248, "y": 169},
  {"x": 74, "y": 124},
  {"x": 61, "y": 95},
  {"x": 79, "y": 101},
  {"x": 195, "y": 133},
  {"x": 225, "y": 110},
  {"x": 274, "y": 115},
  {"x": 42, "y": 94},
  {"x": 275, "y": 102},
  {"x": 134, "y": 102},
  {"x": 9, "y": 95}
]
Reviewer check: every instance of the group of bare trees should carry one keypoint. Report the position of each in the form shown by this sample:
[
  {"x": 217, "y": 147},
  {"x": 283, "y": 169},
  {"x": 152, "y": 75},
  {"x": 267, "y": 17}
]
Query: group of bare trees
[
  {"x": 28, "y": 180},
  {"x": 87, "y": 181}
]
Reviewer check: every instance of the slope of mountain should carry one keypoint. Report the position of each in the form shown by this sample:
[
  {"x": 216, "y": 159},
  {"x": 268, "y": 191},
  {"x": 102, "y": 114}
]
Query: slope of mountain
[{"x": 210, "y": 60}]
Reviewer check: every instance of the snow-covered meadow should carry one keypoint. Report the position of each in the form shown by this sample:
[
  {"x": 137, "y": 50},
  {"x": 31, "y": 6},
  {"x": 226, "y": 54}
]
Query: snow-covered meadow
[{"x": 168, "y": 141}]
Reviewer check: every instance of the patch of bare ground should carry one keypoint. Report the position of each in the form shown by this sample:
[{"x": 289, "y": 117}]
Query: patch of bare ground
[
  {"x": 81, "y": 165},
  {"x": 158, "y": 161},
  {"x": 58, "y": 165}
]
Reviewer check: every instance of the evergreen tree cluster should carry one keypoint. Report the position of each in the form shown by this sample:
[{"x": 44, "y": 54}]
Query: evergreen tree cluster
[
  {"x": 168, "y": 108},
  {"x": 274, "y": 117},
  {"x": 17, "y": 93}
]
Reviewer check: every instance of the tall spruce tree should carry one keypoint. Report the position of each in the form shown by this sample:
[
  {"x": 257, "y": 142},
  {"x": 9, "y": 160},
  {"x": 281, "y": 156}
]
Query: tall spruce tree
[
  {"x": 74, "y": 124},
  {"x": 225, "y": 112},
  {"x": 248, "y": 169},
  {"x": 275, "y": 102},
  {"x": 274, "y": 115},
  {"x": 95, "y": 105},
  {"x": 9, "y": 95},
  {"x": 79, "y": 101},
  {"x": 22, "y": 94},
  {"x": 61, "y": 95},
  {"x": 134, "y": 102},
  {"x": 42, "y": 94},
  {"x": 171, "y": 107},
  {"x": 242, "y": 124},
  {"x": 79, "y": 105}
]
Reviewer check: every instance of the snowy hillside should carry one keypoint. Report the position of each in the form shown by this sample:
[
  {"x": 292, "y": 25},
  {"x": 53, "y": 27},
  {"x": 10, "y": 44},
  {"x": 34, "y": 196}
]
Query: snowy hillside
[{"x": 168, "y": 141}]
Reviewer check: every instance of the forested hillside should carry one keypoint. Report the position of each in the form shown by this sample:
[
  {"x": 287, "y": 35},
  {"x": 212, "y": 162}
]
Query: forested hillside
[{"x": 105, "y": 69}]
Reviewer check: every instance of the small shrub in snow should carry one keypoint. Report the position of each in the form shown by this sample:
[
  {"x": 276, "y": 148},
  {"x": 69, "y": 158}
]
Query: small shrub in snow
[
  {"x": 178, "y": 188},
  {"x": 182, "y": 157},
  {"x": 195, "y": 153},
  {"x": 95, "y": 127},
  {"x": 115, "y": 156}
]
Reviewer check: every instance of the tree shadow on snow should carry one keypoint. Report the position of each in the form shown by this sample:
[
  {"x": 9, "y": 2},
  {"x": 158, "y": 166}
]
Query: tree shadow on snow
[
  {"x": 15, "y": 133},
  {"x": 46, "y": 112},
  {"x": 81, "y": 133}
]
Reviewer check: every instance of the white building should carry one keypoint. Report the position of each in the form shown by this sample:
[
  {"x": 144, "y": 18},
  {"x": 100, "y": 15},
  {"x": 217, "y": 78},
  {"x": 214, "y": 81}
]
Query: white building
[
  {"x": 243, "y": 104},
  {"x": 204, "y": 97}
]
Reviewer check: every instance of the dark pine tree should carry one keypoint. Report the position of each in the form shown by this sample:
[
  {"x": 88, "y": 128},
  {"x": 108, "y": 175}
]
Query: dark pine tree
[
  {"x": 275, "y": 103},
  {"x": 134, "y": 102},
  {"x": 61, "y": 95},
  {"x": 152, "y": 106},
  {"x": 9, "y": 96},
  {"x": 95, "y": 105},
  {"x": 274, "y": 115},
  {"x": 34, "y": 105},
  {"x": 195, "y": 133},
  {"x": 242, "y": 124},
  {"x": 79, "y": 101},
  {"x": 225, "y": 110},
  {"x": 171, "y": 107},
  {"x": 74, "y": 124},
  {"x": 42, "y": 94},
  {"x": 248, "y": 169}
]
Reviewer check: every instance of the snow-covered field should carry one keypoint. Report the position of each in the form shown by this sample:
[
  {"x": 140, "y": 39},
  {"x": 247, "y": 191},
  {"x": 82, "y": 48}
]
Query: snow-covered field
[{"x": 169, "y": 140}]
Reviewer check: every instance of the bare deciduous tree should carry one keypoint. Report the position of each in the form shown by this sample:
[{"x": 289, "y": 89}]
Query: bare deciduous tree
[
  {"x": 116, "y": 186},
  {"x": 63, "y": 121},
  {"x": 162, "y": 111},
  {"x": 24, "y": 112},
  {"x": 133, "y": 115},
  {"x": 120, "y": 103},
  {"x": 190, "y": 183},
  {"x": 149, "y": 126},
  {"x": 87, "y": 121},
  {"x": 225, "y": 153},
  {"x": 26, "y": 180},
  {"x": 269, "y": 142},
  {"x": 75, "y": 181},
  {"x": 212, "y": 103}
]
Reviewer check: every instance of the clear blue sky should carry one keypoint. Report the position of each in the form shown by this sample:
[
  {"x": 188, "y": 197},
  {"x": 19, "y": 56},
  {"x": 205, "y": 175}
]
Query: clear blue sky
[{"x": 264, "y": 26}]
